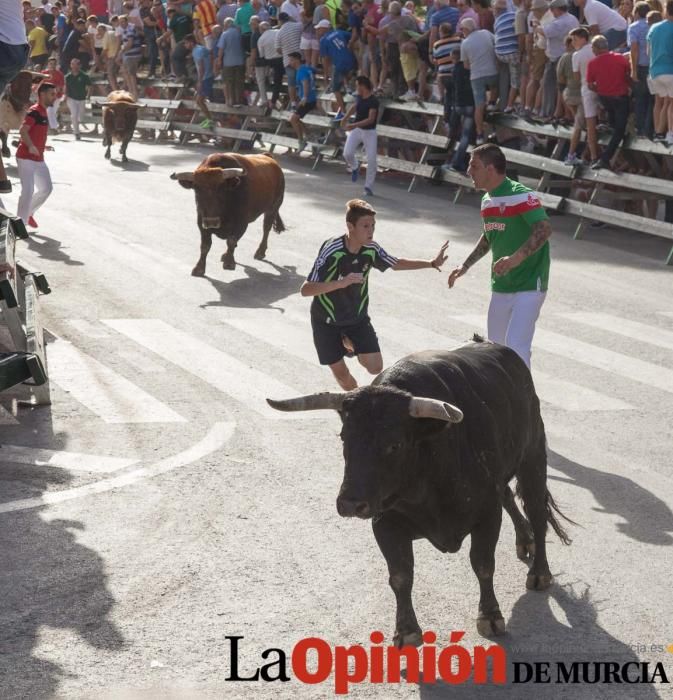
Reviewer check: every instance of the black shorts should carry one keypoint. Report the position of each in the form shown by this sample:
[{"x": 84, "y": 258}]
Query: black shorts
[
  {"x": 328, "y": 340},
  {"x": 246, "y": 43},
  {"x": 303, "y": 110}
]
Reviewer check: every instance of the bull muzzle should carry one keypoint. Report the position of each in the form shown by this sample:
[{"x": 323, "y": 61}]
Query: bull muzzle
[
  {"x": 211, "y": 223},
  {"x": 349, "y": 508}
]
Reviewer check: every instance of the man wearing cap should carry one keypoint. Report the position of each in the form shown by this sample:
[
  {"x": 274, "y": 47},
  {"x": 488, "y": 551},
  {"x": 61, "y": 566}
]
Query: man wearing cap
[
  {"x": 555, "y": 32},
  {"x": 604, "y": 20},
  {"x": 288, "y": 40},
  {"x": 338, "y": 59},
  {"x": 305, "y": 80},
  {"x": 609, "y": 76}
]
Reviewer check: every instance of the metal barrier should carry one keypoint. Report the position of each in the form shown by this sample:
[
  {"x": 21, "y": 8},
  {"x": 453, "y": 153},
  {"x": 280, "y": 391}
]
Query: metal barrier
[
  {"x": 24, "y": 359},
  {"x": 417, "y": 129}
]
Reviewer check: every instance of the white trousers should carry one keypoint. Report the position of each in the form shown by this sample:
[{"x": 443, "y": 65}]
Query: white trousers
[
  {"x": 368, "y": 138},
  {"x": 76, "y": 108},
  {"x": 260, "y": 77},
  {"x": 33, "y": 174},
  {"x": 511, "y": 320},
  {"x": 52, "y": 113}
]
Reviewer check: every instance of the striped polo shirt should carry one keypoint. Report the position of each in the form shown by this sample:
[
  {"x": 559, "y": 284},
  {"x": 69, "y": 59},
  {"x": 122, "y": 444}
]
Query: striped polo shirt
[
  {"x": 506, "y": 40},
  {"x": 509, "y": 213}
]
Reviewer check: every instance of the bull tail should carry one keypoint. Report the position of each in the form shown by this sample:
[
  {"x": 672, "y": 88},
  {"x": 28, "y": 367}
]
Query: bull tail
[
  {"x": 278, "y": 225},
  {"x": 552, "y": 512}
]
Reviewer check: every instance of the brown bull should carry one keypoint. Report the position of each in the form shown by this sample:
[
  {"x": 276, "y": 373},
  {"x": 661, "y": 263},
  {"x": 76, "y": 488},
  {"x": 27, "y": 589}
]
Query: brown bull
[
  {"x": 120, "y": 116},
  {"x": 231, "y": 192},
  {"x": 15, "y": 103}
]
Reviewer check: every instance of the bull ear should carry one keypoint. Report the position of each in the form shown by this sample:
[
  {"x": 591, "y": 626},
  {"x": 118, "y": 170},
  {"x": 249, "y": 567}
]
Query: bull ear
[{"x": 432, "y": 408}]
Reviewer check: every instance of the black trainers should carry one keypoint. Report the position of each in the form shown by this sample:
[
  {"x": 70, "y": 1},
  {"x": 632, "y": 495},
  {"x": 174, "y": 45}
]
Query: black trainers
[{"x": 598, "y": 164}]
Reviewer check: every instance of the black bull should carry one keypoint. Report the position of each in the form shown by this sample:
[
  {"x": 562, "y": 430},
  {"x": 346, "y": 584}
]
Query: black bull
[
  {"x": 430, "y": 449},
  {"x": 232, "y": 191}
]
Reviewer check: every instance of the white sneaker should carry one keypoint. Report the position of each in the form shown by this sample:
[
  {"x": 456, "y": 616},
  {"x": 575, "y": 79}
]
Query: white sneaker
[
  {"x": 669, "y": 138},
  {"x": 409, "y": 95}
]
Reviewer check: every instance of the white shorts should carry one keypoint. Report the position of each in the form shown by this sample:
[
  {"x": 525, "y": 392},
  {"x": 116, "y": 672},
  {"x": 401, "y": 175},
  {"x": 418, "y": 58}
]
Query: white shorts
[
  {"x": 309, "y": 44},
  {"x": 661, "y": 86},
  {"x": 590, "y": 103}
]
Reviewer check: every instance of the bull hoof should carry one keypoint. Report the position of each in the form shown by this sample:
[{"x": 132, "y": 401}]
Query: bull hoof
[
  {"x": 409, "y": 639},
  {"x": 492, "y": 625},
  {"x": 260, "y": 254},
  {"x": 107, "y": 156},
  {"x": 526, "y": 552},
  {"x": 538, "y": 582},
  {"x": 125, "y": 159},
  {"x": 198, "y": 272},
  {"x": 228, "y": 265}
]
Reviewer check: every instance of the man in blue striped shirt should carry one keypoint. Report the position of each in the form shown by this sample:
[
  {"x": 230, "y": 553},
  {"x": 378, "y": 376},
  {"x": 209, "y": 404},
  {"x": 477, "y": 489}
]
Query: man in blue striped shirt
[{"x": 507, "y": 52}]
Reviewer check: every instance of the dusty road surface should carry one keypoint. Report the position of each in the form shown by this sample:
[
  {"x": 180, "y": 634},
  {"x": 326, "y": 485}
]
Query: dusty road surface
[{"x": 158, "y": 506}]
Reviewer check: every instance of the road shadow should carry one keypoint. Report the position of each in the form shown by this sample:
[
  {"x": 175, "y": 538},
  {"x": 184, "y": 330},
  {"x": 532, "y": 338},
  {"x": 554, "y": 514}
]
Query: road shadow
[
  {"x": 132, "y": 165},
  {"x": 647, "y": 518},
  {"x": 534, "y": 634},
  {"x": 49, "y": 249},
  {"x": 258, "y": 290},
  {"x": 48, "y": 579}
]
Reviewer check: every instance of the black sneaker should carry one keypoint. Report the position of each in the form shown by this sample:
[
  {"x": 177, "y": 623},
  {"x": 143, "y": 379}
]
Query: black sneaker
[
  {"x": 598, "y": 164},
  {"x": 659, "y": 138},
  {"x": 5, "y": 186}
]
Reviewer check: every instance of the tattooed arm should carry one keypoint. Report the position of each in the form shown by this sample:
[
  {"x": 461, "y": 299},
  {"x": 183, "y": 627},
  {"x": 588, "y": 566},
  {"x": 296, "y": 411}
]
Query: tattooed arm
[
  {"x": 539, "y": 235},
  {"x": 482, "y": 247}
]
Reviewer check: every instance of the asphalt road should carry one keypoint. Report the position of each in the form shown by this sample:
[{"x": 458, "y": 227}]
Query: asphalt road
[{"x": 158, "y": 506}]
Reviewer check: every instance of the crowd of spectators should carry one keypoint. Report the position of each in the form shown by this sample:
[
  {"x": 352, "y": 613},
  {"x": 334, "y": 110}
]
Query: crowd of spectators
[{"x": 581, "y": 63}]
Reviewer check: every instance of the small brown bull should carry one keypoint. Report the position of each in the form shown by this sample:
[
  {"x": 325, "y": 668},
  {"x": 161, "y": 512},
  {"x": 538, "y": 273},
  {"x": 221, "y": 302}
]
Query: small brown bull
[
  {"x": 120, "y": 116},
  {"x": 231, "y": 192}
]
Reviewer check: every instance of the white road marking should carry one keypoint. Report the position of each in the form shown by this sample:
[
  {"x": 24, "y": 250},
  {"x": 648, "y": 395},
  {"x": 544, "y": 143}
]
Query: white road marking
[
  {"x": 642, "y": 332},
  {"x": 71, "y": 461},
  {"x": 215, "y": 439},
  {"x": 6, "y": 417},
  {"x": 106, "y": 393},
  {"x": 666, "y": 313},
  {"x": 224, "y": 372},
  {"x": 574, "y": 397},
  {"x": 140, "y": 362},
  {"x": 594, "y": 356},
  {"x": 88, "y": 328}
]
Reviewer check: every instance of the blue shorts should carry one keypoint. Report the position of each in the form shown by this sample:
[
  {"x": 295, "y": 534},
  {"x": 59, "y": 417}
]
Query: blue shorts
[
  {"x": 479, "y": 86},
  {"x": 338, "y": 79},
  {"x": 291, "y": 76},
  {"x": 206, "y": 89}
]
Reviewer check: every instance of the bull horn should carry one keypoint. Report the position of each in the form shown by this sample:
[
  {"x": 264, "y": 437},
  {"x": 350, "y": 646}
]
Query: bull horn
[
  {"x": 432, "y": 408},
  {"x": 228, "y": 173},
  {"x": 312, "y": 402},
  {"x": 188, "y": 177}
]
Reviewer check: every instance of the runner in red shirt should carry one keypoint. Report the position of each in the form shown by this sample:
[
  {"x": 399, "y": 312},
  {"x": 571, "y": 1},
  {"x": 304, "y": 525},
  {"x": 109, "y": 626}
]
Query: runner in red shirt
[
  {"x": 56, "y": 78},
  {"x": 33, "y": 171},
  {"x": 609, "y": 75}
]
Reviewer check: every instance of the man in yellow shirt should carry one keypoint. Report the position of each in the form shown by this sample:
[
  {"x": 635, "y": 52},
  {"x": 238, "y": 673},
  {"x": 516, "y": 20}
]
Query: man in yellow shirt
[
  {"x": 37, "y": 39},
  {"x": 111, "y": 46}
]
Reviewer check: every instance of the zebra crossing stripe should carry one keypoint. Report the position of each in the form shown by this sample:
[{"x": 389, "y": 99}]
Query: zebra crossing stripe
[
  {"x": 594, "y": 356},
  {"x": 106, "y": 393},
  {"x": 642, "y": 332},
  {"x": 222, "y": 371},
  {"x": 71, "y": 461}
]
